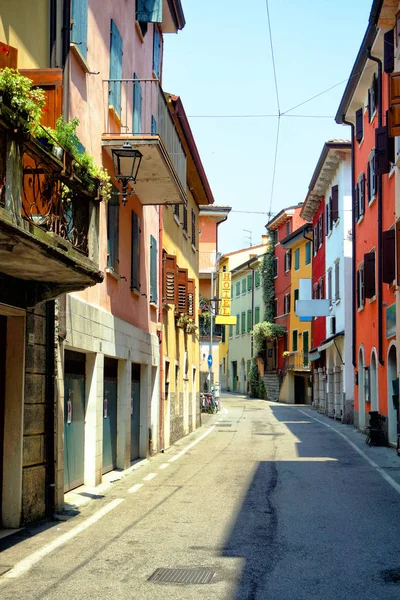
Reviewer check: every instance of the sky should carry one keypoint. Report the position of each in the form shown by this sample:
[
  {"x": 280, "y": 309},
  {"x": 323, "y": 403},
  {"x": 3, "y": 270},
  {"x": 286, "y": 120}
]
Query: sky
[{"x": 221, "y": 64}]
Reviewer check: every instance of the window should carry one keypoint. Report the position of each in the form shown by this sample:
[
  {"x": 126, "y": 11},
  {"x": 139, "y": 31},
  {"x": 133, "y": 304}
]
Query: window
[
  {"x": 333, "y": 325},
  {"x": 315, "y": 291},
  {"x": 249, "y": 323},
  {"x": 360, "y": 195},
  {"x": 372, "y": 97},
  {"x": 316, "y": 238},
  {"x": 115, "y": 68},
  {"x": 149, "y": 12},
  {"x": 359, "y": 125},
  {"x": 288, "y": 227},
  {"x": 230, "y": 331},
  {"x": 257, "y": 278},
  {"x": 388, "y": 256},
  {"x": 321, "y": 229},
  {"x": 335, "y": 204},
  {"x": 308, "y": 253},
  {"x": 194, "y": 237},
  {"x": 295, "y": 297},
  {"x": 369, "y": 275},
  {"x": 237, "y": 324},
  {"x": 294, "y": 341},
  {"x": 153, "y": 269},
  {"x": 137, "y": 105},
  {"x": 157, "y": 52},
  {"x": 243, "y": 329},
  {"x": 337, "y": 285},
  {"x": 224, "y": 365},
  {"x": 135, "y": 264},
  {"x": 238, "y": 288},
  {"x": 288, "y": 260},
  {"x": 330, "y": 286},
  {"x": 321, "y": 289},
  {"x": 113, "y": 231},
  {"x": 185, "y": 217},
  {"x": 275, "y": 267},
  {"x": 297, "y": 259},
  {"x": 371, "y": 178},
  {"x": 275, "y": 308},
  {"x": 169, "y": 279},
  {"x": 244, "y": 285},
  {"x": 176, "y": 212},
  {"x": 286, "y": 304},
  {"x": 256, "y": 315},
  {"x": 79, "y": 26},
  {"x": 223, "y": 335},
  {"x": 249, "y": 282},
  {"x": 388, "y": 51},
  {"x": 360, "y": 286}
]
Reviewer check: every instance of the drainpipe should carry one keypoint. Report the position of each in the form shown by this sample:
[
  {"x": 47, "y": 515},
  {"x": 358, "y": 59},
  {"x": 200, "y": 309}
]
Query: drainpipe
[
  {"x": 353, "y": 243},
  {"x": 50, "y": 411},
  {"x": 160, "y": 321},
  {"x": 53, "y": 33},
  {"x": 379, "y": 192},
  {"x": 66, "y": 63}
]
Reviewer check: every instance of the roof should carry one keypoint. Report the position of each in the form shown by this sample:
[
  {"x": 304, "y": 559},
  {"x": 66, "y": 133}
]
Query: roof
[
  {"x": 326, "y": 172},
  {"x": 175, "y": 6},
  {"x": 295, "y": 235},
  {"x": 282, "y": 217},
  {"x": 217, "y": 208},
  {"x": 244, "y": 249},
  {"x": 360, "y": 61},
  {"x": 247, "y": 263}
]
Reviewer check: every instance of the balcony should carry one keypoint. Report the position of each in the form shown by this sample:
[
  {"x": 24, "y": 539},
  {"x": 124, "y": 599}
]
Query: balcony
[
  {"x": 297, "y": 361},
  {"x": 207, "y": 261},
  {"x": 205, "y": 329},
  {"x": 136, "y": 110},
  {"x": 48, "y": 223}
]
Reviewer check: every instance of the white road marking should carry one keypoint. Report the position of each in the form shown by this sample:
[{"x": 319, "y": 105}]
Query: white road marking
[
  {"x": 373, "y": 464},
  {"x": 174, "y": 458},
  {"x": 164, "y": 466},
  {"x": 135, "y": 488},
  {"x": 24, "y": 565},
  {"x": 150, "y": 476}
]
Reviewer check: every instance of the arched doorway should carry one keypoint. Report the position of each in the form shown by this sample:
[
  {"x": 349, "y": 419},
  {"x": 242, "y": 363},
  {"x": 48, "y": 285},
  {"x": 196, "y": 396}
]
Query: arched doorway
[
  {"x": 393, "y": 387},
  {"x": 361, "y": 390},
  {"x": 374, "y": 383}
]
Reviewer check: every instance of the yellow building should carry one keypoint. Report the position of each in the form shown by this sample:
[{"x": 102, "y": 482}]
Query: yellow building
[
  {"x": 296, "y": 386},
  {"x": 179, "y": 338}
]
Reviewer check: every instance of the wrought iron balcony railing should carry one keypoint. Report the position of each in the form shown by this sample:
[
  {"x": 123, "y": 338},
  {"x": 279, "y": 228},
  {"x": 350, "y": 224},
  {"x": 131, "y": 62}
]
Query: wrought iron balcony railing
[
  {"x": 138, "y": 108},
  {"x": 297, "y": 361}
]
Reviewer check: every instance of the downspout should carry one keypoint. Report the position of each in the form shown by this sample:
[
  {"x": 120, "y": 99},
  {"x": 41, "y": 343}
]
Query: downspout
[
  {"x": 49, "y": 407},
  {"x": 53, "y": 34},
  {"x": 379, "y": 192},
  {"x": 66, "y": 62},
  {"x": 353, "y": 243},
  {"x": 160, "y": 321}
]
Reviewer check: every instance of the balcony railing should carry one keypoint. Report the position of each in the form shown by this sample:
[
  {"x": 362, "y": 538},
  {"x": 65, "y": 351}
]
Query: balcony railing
[
  {"x": 138, "y": 108},
  {"x": 297, "y": 361},
  {"x": 205, "y": 329}
]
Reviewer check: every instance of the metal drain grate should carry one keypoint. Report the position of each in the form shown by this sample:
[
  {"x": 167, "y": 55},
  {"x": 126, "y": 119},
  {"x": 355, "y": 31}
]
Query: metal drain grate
[
  {"x": 183, "y": 575},
  {"x": 224, "y": 424}
]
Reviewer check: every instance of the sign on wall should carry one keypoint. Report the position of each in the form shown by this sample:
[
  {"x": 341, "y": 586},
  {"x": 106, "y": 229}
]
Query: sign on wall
[{"x": 225, "y": 290}]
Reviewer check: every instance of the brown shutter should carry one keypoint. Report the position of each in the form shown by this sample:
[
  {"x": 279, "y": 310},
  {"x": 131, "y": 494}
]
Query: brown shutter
[
  {"x": 361, "y": 207},
  {"x": 359, "y": 125},
  {"x": 170, "y": 288},
  {"x": 335, "y": 203},
  {"x": 182, "y": 283},
  {"x": 326, "y": 219},
  {"x": 8, "y": 56},
  {"x": 397, "y": 28},
  {"x": 394, "y": 104},
  {"x": 357, "y": 202},
  {"x": 191, "y": 297},
  {"x": 398, "y": 250},
  {"x": 369, "y": 274},
  {"x": 388, "y": 255},
  {"x": 50, "y": 80},
  {"x": 382, "y": 164},
  {"x": 388, "y": 51}
]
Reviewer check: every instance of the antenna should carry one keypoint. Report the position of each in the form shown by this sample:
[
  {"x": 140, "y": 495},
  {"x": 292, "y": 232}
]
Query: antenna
[{"x": 248, "y": 237}]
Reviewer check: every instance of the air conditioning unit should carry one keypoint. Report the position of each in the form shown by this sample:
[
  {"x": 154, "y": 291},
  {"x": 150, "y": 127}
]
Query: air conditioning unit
[{"x": 333, "y": 325}]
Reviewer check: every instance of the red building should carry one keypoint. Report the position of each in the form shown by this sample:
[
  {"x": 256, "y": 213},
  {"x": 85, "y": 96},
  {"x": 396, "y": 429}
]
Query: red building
[{"x": 364, "y": 105}]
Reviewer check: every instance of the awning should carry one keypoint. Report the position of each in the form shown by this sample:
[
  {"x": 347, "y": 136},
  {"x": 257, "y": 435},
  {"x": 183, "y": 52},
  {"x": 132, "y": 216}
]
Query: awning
[
  {"x": 312, "y": 356},
  {"x": 330, "y": 341}
]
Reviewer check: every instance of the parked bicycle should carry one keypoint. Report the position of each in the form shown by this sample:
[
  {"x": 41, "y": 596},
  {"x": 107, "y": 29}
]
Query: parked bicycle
[{"x": 209, "y": 404}]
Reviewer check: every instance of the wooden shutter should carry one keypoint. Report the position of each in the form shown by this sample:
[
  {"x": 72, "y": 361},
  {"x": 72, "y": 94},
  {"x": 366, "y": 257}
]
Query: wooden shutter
[
  {"x": 243, "y": 330},
  {"x": 382, "y": 164},
  {"x": 388, "y": 51},
  {"x": 359, "y": 125},
  {"x": 137, "y": 105},
  {"x": 156, "y": 52},
  {"x": 115, "y": 67},
  {"x": 391, "y": 148},
  {"x": 169, "y": 279},
  {"x": 361, "y": 207},
  {"x": 193, "y": 228},
  {"x": 79, "y": 25},
  {"x": 8, "y": 56},
  {"x": 388, "y": 255},
  {"x": 357, "y": 202},
  {"x": 321, "y": 228},
  {"x": 369, "y": 105},
  {"x": 369, "y": 274},
  {"x": 135, "y": 258},
  {"x": 113, "y": 230},
  {"x": 398, "y": 250},
  {"x": 153, "y": 269},
  {"x": 191, "y": 297},
  {"x": 335, "y": 203},
  {"x": 182, "y": 285},
  {"x": 149, "y": 11},
  {"x": 50, "y": 80},
  {"x": 394, "y": 104},
  {"x": 185, "y": 217},
  {"x": 249, "y": 282},
  {"x": 337, "y": 281}
]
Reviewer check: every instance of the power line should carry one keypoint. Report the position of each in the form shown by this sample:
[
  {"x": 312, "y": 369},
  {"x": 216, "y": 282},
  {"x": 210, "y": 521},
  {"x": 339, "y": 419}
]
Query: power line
[
  {"x": 273, "y": 58},
  {"x": 260, "y": 116},
  {"x": 274, "y": 169}
]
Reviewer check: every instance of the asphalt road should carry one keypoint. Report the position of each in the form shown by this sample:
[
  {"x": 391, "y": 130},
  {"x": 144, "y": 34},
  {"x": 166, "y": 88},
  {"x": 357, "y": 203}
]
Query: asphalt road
[{"x": 278, "y": 505}]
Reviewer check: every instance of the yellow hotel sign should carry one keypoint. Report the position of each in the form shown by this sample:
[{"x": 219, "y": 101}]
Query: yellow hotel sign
[{"x": 224, "y": 317}]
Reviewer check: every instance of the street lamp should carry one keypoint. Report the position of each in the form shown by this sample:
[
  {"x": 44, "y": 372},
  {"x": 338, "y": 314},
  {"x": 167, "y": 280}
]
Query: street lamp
[{"x": 126, "y": 162}]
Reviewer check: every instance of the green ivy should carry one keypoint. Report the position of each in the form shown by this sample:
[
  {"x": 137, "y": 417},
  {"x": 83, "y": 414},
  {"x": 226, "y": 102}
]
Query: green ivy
[
  {"x": 256, "y": 384},
  {"x": 267, "y": 276},
  {"x": 266, "y": 331}
]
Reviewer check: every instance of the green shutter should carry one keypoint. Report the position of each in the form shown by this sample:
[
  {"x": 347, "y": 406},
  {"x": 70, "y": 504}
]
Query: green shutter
[
  {"x": 296, "y": 295},
  {"x": 231, "y": 291},
  {"x": 249, "y": 280},
  {"x": 256, "y": 315},
  {"x": 157, "y": 53},
  {"x": 308, "y": 253},
  {"x": 297, "y": 259},
  {"x": 149, "y": 11},
  {"x": 237, "y": 324},
  {"x": 294, "y": 339},
  {"x": 115, "y": 68},
  {"x": 153, "y": 269},
  {"x": 113, "y": 230},
  {"x": 258, "y": 278},
  {"x": 243, "y": 330},
  {"x": 238, "y": 288},
  {"x": 230, "y": 331},
  {"x": 79, "y": 25},
  {"x": 248, "y": 366},
  {"x": 244, "y": 285},
  {"x": 137, "y": 105},
  {"x": 248, "y": 321}
]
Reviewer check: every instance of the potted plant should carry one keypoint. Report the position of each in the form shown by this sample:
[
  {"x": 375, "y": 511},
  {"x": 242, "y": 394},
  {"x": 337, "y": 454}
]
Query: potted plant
[{"x": 18, "y": 94}]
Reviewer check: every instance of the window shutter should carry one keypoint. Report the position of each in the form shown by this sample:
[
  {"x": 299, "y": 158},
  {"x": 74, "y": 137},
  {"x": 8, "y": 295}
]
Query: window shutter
[
  {"x": 308, "y": 253},
  {"x": 113, "y": 230},
  {"x": 375, "y": 92},
  {"x": 357, "y": 202},
  {"x": 243, "y": 330},
  {"x": 321, "y": 228},
  {"x": 79, "y": 25},
  {"x": 153, "y": 269},
  {"x": 397, "y": 28},
  {"x": 369, "y": 104},
  {"x": 326, "y": 219},
  {"x": 359, "y": 125},
  {"x": 337, "y": 281},
  {"x": 361, "y": 207},
  {"x": 51, "y": 83},
  {"x": 156, "y": 52},
  {"x": 193, "y": 228},
  {"x": 391, "y": 148},
  {"x": 388, "y": 255},
  {"x": 369, "y": 274},
  {"x": 294, "y": 340},
  {"x": 330, "y": 213},
  {"x": 257, "y": 278},
  {"x": 257, "y": 314},
  {"x": 398, "y": 250},
  {"x": 330, "y": 286},
  {"x": 185, "y": 217},
  {"x": 170, "y": 287},
  {"x": 137, "y": 105},
  {"x": 394, "y": 104},
  {"x": 249, "y": 283},
  {"x": 176, "y": 211},
  {"x": 335, "y": 203},
  {"x": 191, "y": 298},
  {"x": 388, "y": 51},
  {"x": 182, "y": 284},
  {"x": 115, "y": 68},
  {"x": 382, "y": 164},
  {"x": 249, "y": 321},
  {"x": 149, "y": 11},
  {"x": 135, "y": 258}
]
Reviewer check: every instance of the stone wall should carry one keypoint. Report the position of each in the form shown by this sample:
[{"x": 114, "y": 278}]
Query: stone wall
[{"x": 176, "y": 418}]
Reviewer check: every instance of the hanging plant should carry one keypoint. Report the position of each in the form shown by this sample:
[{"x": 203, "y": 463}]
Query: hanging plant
[
  {"x": 266, "y": 331},
  {"x": 267, "y": 276},
  {"x": 17, "y": 92}
]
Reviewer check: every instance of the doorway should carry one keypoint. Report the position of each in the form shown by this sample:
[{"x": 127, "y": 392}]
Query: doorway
[
  {"x": 393, "y": 397},
  {"x": 361, "y": 391},
  {"x": 299, "y": 390},
  {"x": 135, "y": 412},
  {"x": 110, "y": 414},
  {"x": 74, "y": 419},
  {"x": 374, "y": 384},
  {"x": 234, "y": 376},
  {"x": 3, "y": 346}
]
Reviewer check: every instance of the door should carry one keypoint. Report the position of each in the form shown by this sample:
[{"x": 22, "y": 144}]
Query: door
[
  {"x": 135, "y": 412},
  {"x": 110, "y": 414},
  {"x": 74, "y": 419},
  {"x": 3, "y": 347},
  {"x": 234, "y": 376},
  {"x": 305, "y": 349},
  {"x": 298, "y": 389}
]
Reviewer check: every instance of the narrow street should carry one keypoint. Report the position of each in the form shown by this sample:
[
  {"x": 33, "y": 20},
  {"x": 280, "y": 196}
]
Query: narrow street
[{"x": 272, "y": 498}]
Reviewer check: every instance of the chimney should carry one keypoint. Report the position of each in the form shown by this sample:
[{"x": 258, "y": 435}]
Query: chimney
[{"x": 265, "y": 239}]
